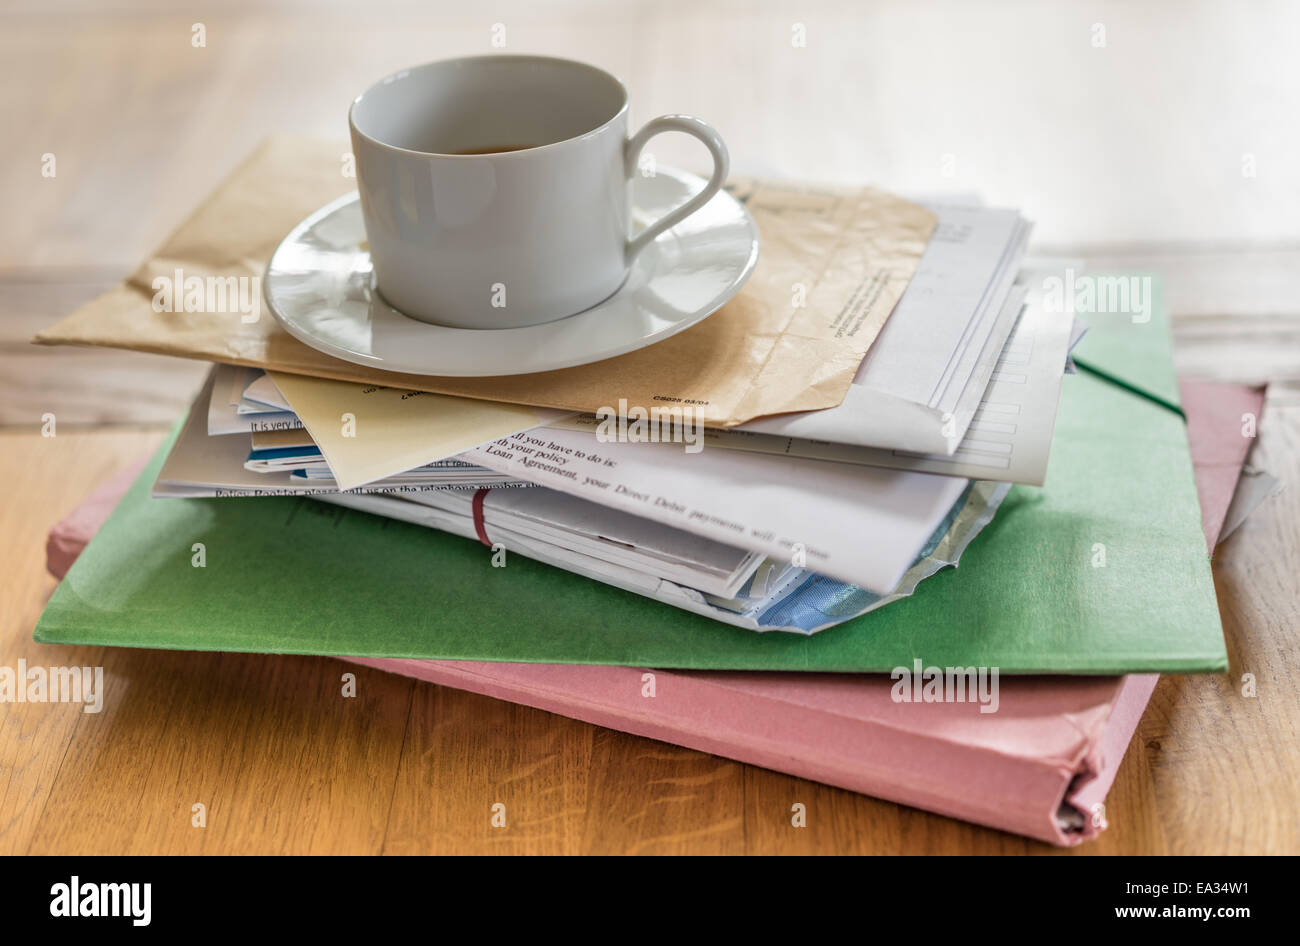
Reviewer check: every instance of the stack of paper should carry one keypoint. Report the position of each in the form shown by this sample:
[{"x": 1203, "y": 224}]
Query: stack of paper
[
  {"x": 831, "y": 471},
  {"x": 1002, "y": 769},
  {"x": 797, "y": 519}
]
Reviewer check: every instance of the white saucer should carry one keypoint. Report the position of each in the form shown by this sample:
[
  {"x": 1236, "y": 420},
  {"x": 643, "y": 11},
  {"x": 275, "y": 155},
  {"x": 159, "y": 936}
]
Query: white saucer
[{"x": 319, "y": 286}]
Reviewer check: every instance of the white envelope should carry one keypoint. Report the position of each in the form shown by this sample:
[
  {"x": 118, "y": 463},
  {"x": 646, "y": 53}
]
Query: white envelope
[{"x": 922, "y": 380}]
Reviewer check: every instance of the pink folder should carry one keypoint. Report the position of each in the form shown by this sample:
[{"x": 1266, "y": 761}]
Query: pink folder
[{"x": 1040, "y": 766}]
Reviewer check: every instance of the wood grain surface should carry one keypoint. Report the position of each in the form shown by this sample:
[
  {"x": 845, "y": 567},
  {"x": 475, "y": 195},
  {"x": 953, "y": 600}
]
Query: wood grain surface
[{"x": 143, "y": 128}]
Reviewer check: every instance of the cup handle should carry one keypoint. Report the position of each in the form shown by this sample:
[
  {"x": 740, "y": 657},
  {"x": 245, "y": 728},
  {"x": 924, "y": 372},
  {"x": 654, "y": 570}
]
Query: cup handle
[{"x": 721, "y": 162}]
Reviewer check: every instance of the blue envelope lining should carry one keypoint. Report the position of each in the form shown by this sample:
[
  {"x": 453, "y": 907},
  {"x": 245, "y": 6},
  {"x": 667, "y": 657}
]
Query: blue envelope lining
[{"x": 818, "y": 600}]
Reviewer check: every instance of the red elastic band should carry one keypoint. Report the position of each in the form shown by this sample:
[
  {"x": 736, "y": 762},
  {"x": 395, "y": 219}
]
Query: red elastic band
[{"x": 479, "y": 526}]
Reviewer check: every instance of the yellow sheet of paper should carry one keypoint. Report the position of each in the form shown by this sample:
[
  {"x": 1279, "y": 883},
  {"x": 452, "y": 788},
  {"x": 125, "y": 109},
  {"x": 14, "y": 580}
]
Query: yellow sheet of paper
[
  {"x": 278, "y": 439},
  {"x": 367, "y": 433},
  {"x": 832, "y": 265}
]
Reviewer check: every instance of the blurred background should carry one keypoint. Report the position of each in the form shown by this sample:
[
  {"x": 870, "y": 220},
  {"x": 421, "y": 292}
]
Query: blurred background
[{"x": 1161, "y": 136}]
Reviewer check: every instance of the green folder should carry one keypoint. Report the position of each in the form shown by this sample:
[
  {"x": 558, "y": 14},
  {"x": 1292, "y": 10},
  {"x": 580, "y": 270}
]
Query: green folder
[{"x": 1101, "y": 571}]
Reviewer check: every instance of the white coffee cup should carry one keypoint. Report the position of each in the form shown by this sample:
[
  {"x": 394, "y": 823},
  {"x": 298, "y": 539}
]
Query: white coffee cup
[{"x": 510, "y": 238}]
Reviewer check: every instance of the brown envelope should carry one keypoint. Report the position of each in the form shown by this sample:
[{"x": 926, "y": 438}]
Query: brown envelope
[{"x": 846, "y": 255}]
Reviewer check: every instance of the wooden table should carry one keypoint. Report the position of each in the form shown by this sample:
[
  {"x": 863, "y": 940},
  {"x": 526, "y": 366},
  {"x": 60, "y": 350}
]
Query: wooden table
[{"x": 284, "y": 766}]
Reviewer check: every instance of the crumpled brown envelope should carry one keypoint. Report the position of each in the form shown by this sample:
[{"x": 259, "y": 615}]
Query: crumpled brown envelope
[{"x": 852, "y": 251}]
